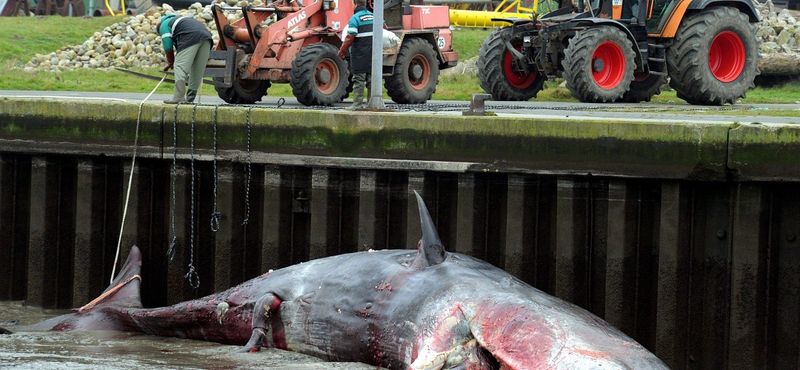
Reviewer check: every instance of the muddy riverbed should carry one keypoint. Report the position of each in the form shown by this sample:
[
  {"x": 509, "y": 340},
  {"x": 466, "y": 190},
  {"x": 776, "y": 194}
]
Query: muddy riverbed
[{"x": 129, "y": 351}]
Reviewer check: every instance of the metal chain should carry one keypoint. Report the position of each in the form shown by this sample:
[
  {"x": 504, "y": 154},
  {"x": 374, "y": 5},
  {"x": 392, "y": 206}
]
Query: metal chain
[
  {"x": 215, "y": 215},
  {"x": 191, "y": 274},
  {"x": 249, "y": 172},
  {"x": 174, "y": 243},
  {"x": 494, "y": 106}
]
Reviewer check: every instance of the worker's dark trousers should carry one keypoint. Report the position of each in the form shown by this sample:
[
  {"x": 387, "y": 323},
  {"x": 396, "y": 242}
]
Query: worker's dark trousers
[{"x": 191, "y": 63}]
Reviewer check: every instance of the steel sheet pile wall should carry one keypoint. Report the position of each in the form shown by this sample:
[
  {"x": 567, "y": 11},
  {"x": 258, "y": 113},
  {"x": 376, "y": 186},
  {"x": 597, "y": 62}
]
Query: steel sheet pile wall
[
  {"x": 683, "y": 235},
  {"x": 703, "y": 273}
]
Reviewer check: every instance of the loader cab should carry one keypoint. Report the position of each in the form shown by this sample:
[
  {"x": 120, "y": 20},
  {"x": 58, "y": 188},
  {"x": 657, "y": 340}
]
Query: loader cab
[{"x": 394, "y": 10}]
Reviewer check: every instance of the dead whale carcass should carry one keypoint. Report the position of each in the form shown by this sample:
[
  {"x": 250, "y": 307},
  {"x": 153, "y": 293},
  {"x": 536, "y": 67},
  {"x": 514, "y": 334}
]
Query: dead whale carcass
[{"x": 400, "y": 309}]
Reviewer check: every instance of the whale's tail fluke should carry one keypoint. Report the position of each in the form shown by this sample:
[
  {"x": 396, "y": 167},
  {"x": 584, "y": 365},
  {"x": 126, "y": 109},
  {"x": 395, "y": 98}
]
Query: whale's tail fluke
[
  {"x": 124, "y": 290},
  {"x": 430, "y": 250},
  {"x": 123, "y": 294}
]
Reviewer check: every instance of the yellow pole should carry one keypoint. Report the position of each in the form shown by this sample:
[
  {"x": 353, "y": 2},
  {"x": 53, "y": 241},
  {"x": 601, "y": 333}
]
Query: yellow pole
[
  {"x": 108, "y": 6},
  {"x": 111, "y": 11}
]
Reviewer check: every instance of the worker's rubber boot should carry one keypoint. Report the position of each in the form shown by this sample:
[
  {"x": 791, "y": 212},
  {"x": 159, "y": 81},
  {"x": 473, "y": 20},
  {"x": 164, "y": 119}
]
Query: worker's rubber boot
[
  {"x": 190, "y": 95},
  {"x": 358, "y": 99},
  {"x": 180, "y": 92}
]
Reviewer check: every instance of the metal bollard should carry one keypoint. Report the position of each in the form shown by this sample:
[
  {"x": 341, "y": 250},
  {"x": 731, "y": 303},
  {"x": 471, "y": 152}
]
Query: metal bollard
[{"x": 476, "y": 105}]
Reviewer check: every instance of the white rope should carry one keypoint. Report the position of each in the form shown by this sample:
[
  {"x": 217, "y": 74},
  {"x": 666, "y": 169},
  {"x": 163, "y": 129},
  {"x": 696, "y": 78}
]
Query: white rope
[{"x": 130, "y": 179}]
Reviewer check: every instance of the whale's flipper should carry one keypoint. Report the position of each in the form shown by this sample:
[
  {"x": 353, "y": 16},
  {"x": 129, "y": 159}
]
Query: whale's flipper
[{"x": 430, "y": 250}]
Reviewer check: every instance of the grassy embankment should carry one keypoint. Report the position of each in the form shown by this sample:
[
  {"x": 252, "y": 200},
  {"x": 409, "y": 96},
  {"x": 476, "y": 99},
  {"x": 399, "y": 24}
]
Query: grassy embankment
[{"x": 22, "y": 38}]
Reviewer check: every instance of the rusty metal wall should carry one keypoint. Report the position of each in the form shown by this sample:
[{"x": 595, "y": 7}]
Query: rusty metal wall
[{"x": 705, "y": 274}]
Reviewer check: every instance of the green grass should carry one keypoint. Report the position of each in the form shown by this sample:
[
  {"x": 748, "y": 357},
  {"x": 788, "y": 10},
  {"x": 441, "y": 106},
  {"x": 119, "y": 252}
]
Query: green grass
[
  {"x": 22, "y": 38},
  {"x": 467, "y": 41}
]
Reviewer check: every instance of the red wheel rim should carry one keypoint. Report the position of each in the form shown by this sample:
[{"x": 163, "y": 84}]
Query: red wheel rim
[
  {"x": 326, "y": 76},
  {"x": 419, "y": 72},
  {"x": 519, "y": 81},
  {"x": 726, "y": 57},
  {"x": 608, "y": 65}
]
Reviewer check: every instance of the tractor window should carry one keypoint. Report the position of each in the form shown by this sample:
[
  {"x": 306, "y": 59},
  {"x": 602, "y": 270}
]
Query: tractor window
[
  {"x": 660, "y": 12},
  {"x": 547, "y": 6}
]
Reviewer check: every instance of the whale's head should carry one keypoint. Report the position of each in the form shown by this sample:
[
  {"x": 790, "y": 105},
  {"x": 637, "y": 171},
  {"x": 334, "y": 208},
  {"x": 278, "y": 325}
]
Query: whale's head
[{"x": 520, "y": 334}]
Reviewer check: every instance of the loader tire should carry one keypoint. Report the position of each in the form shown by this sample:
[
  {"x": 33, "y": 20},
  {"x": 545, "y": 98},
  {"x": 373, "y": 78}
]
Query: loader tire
[
  {"x": 243, "y": 91},
  {"x": 598, "y": 64},
  {"x": 643, "y": 87},
  {"x": 416, "y": 73},
  {"x": 714, "y": 58},
  {"x": 497, "y": 74},
  {"x": 319, "y": 76}
]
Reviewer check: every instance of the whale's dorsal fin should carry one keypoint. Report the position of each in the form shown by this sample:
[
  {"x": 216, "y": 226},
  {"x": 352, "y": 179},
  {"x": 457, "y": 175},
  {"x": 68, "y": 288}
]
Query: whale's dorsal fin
[{"x": 430, "y": 250}]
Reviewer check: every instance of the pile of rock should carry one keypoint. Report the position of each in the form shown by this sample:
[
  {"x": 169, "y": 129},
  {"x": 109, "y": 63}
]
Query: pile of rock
[
  {"x": 134, "y": 42},
  {"x": 779, "y": 33}
]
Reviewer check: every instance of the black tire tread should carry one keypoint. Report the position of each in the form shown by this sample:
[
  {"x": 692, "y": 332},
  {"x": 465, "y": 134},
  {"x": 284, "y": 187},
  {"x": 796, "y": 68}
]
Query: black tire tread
[
  {"x": 397, "y": 85},
  {"x": 643, "y": 91},
  {"x": 687, "y": 58},
  {"x": 491, "y": 73},
  {"x": 303, "y": 80},
  {"x": 577, "y": 64},
  {"x": 237, "y": 95}
]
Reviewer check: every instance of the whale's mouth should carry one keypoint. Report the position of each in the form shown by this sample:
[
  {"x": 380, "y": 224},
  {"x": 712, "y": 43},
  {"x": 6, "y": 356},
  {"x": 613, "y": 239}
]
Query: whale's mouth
[
  {"x": 452, "y": 345},
  {"x": 517, "y": 336},
  {"x": 521, "y": 335}
]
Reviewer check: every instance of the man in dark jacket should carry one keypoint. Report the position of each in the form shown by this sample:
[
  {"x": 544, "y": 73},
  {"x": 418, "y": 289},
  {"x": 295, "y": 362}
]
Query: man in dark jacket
[
  {"x": 192, "y": 43},
  {"x": 359, "y": 36}
]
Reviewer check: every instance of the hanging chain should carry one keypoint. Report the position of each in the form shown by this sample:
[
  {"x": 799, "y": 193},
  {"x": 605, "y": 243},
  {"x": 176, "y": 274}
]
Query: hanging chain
[
  {"x": 191, "y": 274},
  {"x": 215, "y": 215},
  {"x": 173, "y": 244},
  {"x": 249, "y": 172}
]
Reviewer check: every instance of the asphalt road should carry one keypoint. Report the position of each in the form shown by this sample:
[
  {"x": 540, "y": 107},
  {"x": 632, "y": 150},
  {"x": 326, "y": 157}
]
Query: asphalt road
[{"x": 678, "y": 112}]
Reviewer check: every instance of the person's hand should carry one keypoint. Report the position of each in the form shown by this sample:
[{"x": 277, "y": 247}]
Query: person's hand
[
  {"x": 170, "y": 60},
  {"x": 348, "y": 40}
]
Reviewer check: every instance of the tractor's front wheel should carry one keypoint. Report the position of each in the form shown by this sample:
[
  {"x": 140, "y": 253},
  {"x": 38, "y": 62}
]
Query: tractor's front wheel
[
  {"x": 714, "y": 58},
  {"x": 416, "y": 73},
  {"x": 243, "y": 91},
  {"x": 598, "y": 64},
  {"x": 498, "y": 73},
  {"x": 319, "y": 76}
]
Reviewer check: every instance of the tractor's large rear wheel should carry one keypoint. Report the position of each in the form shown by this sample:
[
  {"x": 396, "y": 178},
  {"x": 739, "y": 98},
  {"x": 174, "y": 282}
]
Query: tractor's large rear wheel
[
  {"x": 497, "y": 73},
  {"x": 416, "y": 73},
  {"x": 319, "y": 76},
  {"x": 643, "y": 87},
  {"x": 714, "y": 58},
  {"x": 243, "y": 91},
  {"x": 598, "y": 64}
]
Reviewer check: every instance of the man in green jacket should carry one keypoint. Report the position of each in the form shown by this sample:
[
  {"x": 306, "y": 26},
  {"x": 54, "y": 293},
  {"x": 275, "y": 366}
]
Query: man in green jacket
[
  {"x": 192, "y": 43},
  {"x": 359, "y": 42}
]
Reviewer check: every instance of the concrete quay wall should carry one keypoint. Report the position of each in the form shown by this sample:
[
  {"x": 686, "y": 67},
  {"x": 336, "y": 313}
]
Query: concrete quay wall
[{"x": 682, "y": 234}]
